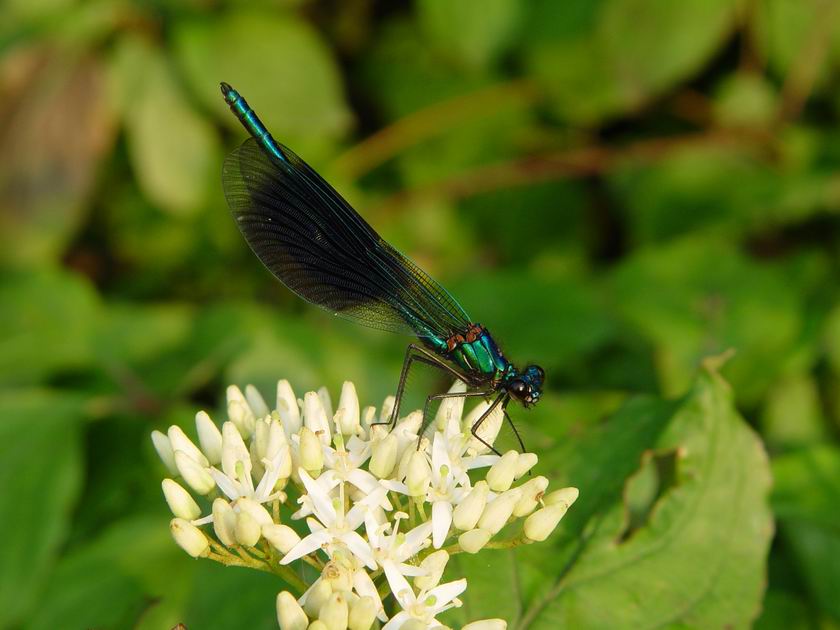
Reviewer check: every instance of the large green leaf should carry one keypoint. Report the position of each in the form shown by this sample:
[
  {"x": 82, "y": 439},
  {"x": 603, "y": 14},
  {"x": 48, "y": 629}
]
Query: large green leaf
[
  {"x": 681, "y": 542},
  {"x": 470, "y": 32},
  {"x": 805, "y": 498},
  {"x": 40, "y": 474},
  {"x": 173, "y": 149},
  {"x": 108, "y": 582},
  {"x": 278, "y": 62},
  {"x": 625, "y": 52},
  {"x": 700, "y": 296},
  {"x": 47, "y": 319},
  {"x": 228, "y": 597}
]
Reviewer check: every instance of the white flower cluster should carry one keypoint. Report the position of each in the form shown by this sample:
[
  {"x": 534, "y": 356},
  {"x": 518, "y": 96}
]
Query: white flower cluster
[{"x": 384, "y": 509}]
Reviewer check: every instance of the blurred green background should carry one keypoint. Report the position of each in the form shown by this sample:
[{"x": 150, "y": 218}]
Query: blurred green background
[{"x": 616, "y": 188}]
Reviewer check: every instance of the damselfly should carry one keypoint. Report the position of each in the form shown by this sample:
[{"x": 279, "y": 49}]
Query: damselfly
[{"x": 310, "y": 238}]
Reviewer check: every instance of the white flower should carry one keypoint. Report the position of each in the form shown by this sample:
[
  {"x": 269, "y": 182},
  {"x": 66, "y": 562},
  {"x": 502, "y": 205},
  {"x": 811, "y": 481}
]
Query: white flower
[
  {"x": 340, "y": 468},
  {"x": 333, "y": 526},
  {"x": 426, "y": 606},
  {"x": 392, "y": 549},
  {"x": 235, "y": 478}
]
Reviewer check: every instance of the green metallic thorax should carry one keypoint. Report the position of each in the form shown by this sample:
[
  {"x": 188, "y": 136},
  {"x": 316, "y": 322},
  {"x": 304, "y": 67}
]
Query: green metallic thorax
[{"x": 481, "y": 356}]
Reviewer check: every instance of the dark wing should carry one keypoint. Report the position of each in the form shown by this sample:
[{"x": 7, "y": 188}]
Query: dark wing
[{"x": 310, "y": 238}]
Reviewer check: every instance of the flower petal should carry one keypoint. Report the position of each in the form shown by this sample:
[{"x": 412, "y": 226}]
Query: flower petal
[
  {"x": 360, "y": 548},
  {"x": 311, "y": 543},
  {"x": 445, "y": 593},
  {"x": 226, "y": 484},
  {"x": 322, "y": 505},
  {"x": 441, "y": 520},
  {"x": 399, "y": 585},
  {"x": 366, "y": 588},
  {"x": 415, "y": 539},
  {"x": 397, "y": 621}
]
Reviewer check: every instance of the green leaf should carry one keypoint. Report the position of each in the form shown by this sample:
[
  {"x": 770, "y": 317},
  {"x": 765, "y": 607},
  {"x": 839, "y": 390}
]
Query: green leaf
[
  {"x": 173, "y": 150},
  {"x": 784, "y": 29},
  {"x": 41, "y": 474},
  {"x": 793, "y": 414},
  {"x": 403, "y": 74},
  {"x": 47, "y": 322},
  {"x": 689, "y": 308},
  {"x": 277, "y": 62},
  {"x": 805, "y": 499},
  {"x": 628, "y": 53},
  {"x": 134, "y": 333},
  {"x": 227, "y": 597},
  {"x": 108, "y": 582},
  {"x": 472, "y": 32},
  {"x": 689, "y": 550}
]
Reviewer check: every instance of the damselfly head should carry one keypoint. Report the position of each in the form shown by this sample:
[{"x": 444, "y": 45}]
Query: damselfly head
[{"x": 526, "y": 386}]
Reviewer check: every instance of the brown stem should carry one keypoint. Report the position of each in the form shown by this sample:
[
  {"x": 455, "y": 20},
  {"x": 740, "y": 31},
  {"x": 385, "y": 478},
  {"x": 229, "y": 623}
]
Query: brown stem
[{"x": 430, "y": 121}]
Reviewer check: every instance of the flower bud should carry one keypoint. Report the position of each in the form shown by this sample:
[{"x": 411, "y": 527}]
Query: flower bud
[
  {"x": 367, "y": 419},
  {"x": 224, "y": 522},
  {"x": 474, "y": 540},
  {"x": 256, "y": 402},
  {"x": 315, "y": 417},
  {"x": 500, "y": 475},
  {"x": 563, "y": 495},
  {"x": 383, "y": 456},
  {"x": 408, "y": 428},
  {"x": 164, "y": 450},
  {"x": 247, "y": 530},
  {"x": 434, "y": 565},
  {"x": 194, "y": 474},
  {"x": 524, "y": 463},
  {"x": 189, "y": 537},
  {"x": 180, "y": 442},
  {"x": 338, "y": 573},
  {"x": 209, "y": 437},
  {"x": 257, "y": 511},
  {"x": 335, "y": 612},
  {"x": 387, "y": 409},
  {"x": 362, "y": 614},
  {"x": 259, "y": 441},
  {"x": 180, "y": 501},
  {"x": 467, "y": 512},
  {"x": 487, "y": 624},
  {"x": 488, "y": 429},
  {"x": 311, "y": 453},
  {"x": 290, "y": 615},
  {"x": 317, "y": 597},
  {"x": 419, "y": 475},
  {"x": 498, "y": 511},
  {"x": 326, "y": 402},
  {"x": 275, "y": 437},
  {"x": 541, "y": 523},
  {"x": 287, "y": 408},
  {"x": 451, "y": 408},
  {"x": 532, "y": 492},
  {"x": 317, "y": 625},
  {"x": 281, "y": 537},
  {"x": 234, "y": 452},
  {"x": 239, "y": 411},
  {"x": 347, "y": 421}
]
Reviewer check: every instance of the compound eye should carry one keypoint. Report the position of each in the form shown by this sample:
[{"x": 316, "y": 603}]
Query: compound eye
[{"x": 518, "y": 388}]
